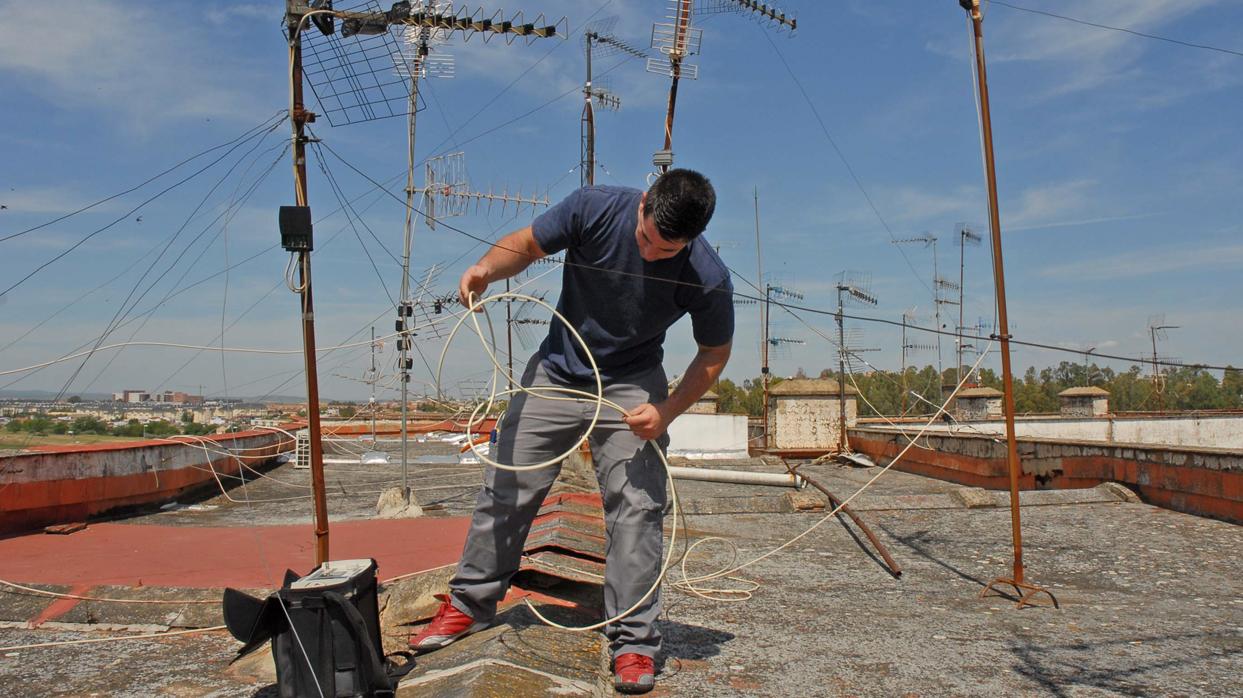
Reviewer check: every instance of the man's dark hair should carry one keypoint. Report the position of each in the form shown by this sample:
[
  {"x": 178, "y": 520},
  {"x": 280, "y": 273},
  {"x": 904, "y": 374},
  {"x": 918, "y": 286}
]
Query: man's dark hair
[{"x": 681, "y": 203}]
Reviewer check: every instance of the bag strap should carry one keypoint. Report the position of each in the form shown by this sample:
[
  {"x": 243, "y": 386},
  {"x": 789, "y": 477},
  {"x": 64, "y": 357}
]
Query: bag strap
[{"x": 381, "y": 681}]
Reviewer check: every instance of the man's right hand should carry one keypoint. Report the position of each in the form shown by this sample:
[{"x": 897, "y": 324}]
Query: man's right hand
[{"x": 474, "y": 280}]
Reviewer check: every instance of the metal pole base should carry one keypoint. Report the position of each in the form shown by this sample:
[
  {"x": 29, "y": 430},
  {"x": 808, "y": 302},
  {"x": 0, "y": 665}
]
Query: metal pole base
[{"x": 1024, "y": 591}]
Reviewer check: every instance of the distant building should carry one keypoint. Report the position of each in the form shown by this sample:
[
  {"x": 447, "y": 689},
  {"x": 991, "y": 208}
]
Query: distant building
[
  {"x": 706, "y": 404},
  {"x": 179, "y": 398},
  {"x": 131, "y": 395},
  {"x": 806, "y": 414},
  {"x": 979, "y": 403},
  {"x": 1089, "y": 401}
]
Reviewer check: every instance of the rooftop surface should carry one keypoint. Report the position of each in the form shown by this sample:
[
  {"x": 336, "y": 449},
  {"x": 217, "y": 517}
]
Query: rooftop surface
[{"x": 1150, "y": 602}]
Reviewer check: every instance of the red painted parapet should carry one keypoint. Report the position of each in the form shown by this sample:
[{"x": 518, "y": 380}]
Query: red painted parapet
[
  {"x": 1207, "y": 482},
  {"x": 59, "y": 484}
]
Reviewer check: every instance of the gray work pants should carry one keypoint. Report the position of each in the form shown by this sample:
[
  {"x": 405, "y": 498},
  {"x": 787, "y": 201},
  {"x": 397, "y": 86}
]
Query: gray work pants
[{"x": 632, "y": 485}]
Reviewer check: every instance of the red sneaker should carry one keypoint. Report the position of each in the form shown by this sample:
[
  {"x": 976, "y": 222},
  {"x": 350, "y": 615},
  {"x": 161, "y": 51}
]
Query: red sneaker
[
  {"x": 449, "y": 625},
  {"x": 633, "y": 673}
]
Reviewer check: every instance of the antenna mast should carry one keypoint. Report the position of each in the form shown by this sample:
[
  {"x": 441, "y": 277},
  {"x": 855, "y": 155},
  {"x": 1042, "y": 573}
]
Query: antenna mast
[
  {"x": 850, "y": 286},
  {"x": 297, "y": 238},
  {"x": 1026, "y": 591},
  {"x": 598, "y": 36},
  {"x": 966, "y": 236}
]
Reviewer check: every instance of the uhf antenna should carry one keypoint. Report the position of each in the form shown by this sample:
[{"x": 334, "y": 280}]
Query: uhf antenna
[
  {"x": 447, "y": 192},
  {"x": 910, "y": 319},
  {"x": 928, "y": 240},
  {"x": 967, "y": 237},
  {"x": 600, "y": 39},
  {"x": 854, "y": 287},
  {"x": 677, "y": 39},
  {"x": 353, "y": 76},
  {"x": 447, "y": 187},
  {"x": 1157, "y": 331},
  {"x": 770, "y": 343}
]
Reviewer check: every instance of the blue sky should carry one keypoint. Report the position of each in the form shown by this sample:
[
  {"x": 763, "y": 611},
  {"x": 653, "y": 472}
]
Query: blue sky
[{"x": 1118, "y": 165}]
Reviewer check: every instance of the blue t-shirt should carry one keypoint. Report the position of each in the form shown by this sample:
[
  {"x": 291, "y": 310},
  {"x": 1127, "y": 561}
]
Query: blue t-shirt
[{"x": 621, "y": 304}]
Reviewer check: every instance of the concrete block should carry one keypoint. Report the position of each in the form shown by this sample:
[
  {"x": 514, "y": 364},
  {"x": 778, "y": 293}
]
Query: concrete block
[
  {"x": 392, "y": 505},
  {"x": 1119, "y": 491},
  {"x": 806, "y": 501},
  {"x": 974, "y": 497}
]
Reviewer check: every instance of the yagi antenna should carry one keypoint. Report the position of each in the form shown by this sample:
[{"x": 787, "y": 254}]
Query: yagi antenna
[
  {"x": 966, "y": 237},
  {"x": 676, "y": 39},
  {"x": 929, "y": 241},
  {"x": 447, "y": 192},
  {"x": 359, "y": 72},
  {"x": 853, "y": 287}
]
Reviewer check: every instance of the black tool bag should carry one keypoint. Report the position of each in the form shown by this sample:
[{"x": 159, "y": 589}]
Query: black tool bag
[{"x": 325, "y": 632}]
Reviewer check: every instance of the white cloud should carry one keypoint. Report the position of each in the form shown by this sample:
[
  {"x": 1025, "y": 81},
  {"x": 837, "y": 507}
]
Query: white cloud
[
  {"x": 143, "y": 63},
  {"x": 1038, "y": 206},
  {"x": 1081, "y": 57}
]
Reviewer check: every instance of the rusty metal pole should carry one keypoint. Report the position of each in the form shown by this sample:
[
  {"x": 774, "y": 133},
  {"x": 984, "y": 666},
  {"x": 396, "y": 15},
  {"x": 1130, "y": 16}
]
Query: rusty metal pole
[
  {"x": 894, "y": 568},
  {"x": 299, "y": 117},
  {"x": 1025, "y": 591}
]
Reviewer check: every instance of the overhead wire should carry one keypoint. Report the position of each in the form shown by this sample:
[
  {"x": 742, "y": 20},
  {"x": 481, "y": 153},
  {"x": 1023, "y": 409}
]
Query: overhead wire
[
  {"x": 783, "y": 304},
  {"x": 278, "y": 115},
  {"x": 61, "y": 255},
  {"x": 1124, "y": 30}
]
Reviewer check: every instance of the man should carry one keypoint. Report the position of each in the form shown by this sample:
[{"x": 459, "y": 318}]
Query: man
[{"x": 634, "y": 265}]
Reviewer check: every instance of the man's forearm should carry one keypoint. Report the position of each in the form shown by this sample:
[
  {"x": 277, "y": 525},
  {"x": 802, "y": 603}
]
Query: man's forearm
[
  {"x": 510, "y": 255},
  {"x": 702, "y": 373}
]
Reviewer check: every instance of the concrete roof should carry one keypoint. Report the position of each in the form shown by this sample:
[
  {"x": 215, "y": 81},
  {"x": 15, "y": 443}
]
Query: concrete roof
[
  {"x": 1090, "y": 391},
  {"x": 926, "y": 633},
  {"x": 980, "y": 392},
  {"x": 809, "y": 386}
]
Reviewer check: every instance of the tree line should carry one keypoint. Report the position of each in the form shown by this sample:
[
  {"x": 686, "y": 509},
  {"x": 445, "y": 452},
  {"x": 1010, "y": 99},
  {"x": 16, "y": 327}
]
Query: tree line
[
  {"x": 917, "y": 390},
  {"x": 40, "y": 425}
]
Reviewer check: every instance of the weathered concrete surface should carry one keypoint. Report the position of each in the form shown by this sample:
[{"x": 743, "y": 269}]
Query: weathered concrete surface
[{"x": 1151, "y": 605}]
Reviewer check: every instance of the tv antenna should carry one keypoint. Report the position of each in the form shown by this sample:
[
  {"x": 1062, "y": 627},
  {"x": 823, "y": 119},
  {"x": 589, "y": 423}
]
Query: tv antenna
[
  {"x": 769, "y": 342},
  {"x": 600, "y": 40},
  {"x": 1157, "y": 331},
  {"x": 352, "y": 75},
  {"x": 855, "y": 288},
  {"x": 967, "y": 237},
  {"x": 910, "y": 319},
  {"x": 929, "y": 241},
  {"x": 677, "y": 39}
]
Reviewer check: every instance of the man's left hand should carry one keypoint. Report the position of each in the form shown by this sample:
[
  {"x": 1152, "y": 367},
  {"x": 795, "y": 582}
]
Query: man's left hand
[{"x": 647, "y": 421}]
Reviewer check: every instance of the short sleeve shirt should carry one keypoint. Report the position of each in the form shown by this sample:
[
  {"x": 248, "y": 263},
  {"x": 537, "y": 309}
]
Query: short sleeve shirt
[{"x": 621, "y": 304}]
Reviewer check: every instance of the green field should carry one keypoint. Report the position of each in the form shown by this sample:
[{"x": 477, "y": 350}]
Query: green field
[{"x": 9, "y": 441}]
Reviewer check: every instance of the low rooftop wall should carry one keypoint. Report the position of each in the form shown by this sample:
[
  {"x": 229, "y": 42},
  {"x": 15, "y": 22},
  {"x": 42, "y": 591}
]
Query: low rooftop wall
[
  {"x": 1202, "y": 481},
  {"x": 61, "y": 484},
  {"x": 1191, "y": 429},
  {"x": 708, "y": 436}
]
